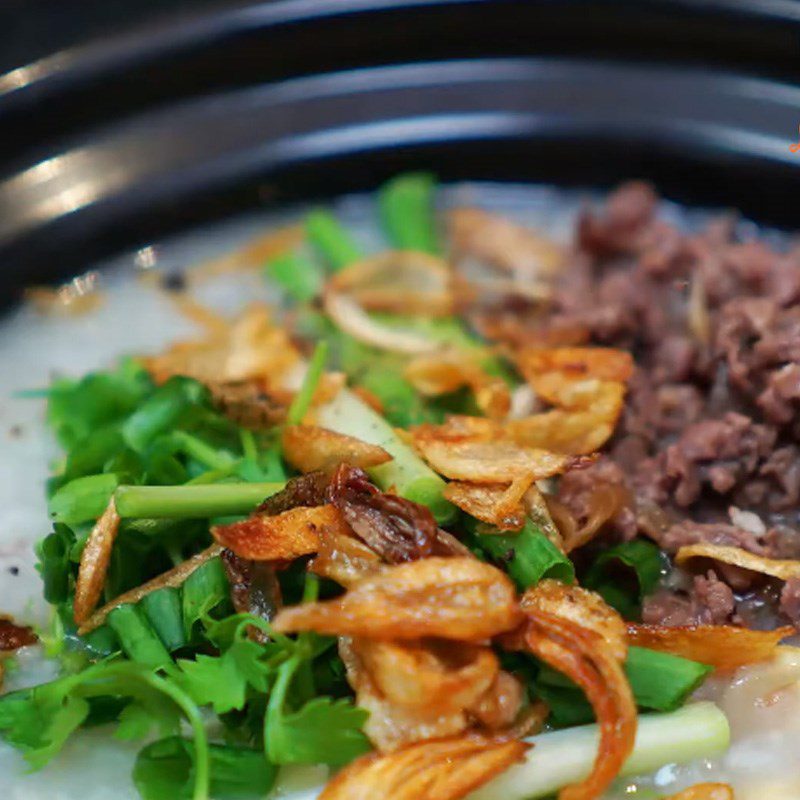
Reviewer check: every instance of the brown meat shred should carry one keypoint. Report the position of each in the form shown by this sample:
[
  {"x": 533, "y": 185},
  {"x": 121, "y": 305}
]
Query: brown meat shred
[
  {"x": 711, "y": 421},
  {"x": 395, "y": 528},
  {"x": 708, "y": 602},
  {"x": 13, "y": 636}
]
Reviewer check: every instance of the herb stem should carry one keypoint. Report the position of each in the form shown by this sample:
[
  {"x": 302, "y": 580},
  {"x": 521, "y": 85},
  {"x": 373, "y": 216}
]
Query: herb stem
[{"x": 193, "y": 501}]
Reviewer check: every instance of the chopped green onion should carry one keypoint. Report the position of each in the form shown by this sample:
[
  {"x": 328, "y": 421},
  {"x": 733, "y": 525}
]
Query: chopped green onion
[
  {"x": 199, "y": 501},
  {"x": 83, "y": 499},
  {"x": 138, "y": 639},
  {"x": 659, "y": 681},
  {"x": 299, "y": 277},
  {"x": 331, "y": 239},
  {"x": 411, "y": 477},
  {"x": 163, "y": 611},
  {"x": 562, "y": 757},
  {"x": 302, "y": 400},
  {"x": 54, "y": 563},
  {"x": 639, "y": 557},
  {"x": 406, "y": 205},
  {"x": 528, "y": 556},
  {"x": 662, "y": 681},
  {"x": 202, "y": 592},
  {"x": 161, "y": 411}
]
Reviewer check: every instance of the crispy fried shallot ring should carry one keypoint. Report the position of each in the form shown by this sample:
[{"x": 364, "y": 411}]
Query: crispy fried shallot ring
[
  {"x": 444, "y": 769},
  {"x": 438, "y": 677},
  {"x": 777, "y": 568},
  {"x": 173, "y": 578},
  {"x": 407, "y": 282},
  {"x": 719, "y": 646},
  {"x": 309, "y": 448},
  {"x": 94, "y": 563},
  {"x": 556, "y": 632},
  {"x": 449, "y": 598}
]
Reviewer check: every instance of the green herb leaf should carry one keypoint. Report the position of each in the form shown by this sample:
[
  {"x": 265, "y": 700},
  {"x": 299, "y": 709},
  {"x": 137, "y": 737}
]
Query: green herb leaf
[
  {"x": 163, "y": 771},
  {"x": 137, "y": 637},
  {"x": 322, "y": 731},
  {"x": 55, "y": 565},
  {"x": 83, "y": 499}
]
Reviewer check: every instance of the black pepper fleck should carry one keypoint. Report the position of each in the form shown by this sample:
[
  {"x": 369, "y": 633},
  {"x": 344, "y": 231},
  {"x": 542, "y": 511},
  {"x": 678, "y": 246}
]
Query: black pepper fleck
[{"x": 14, "y": 570}]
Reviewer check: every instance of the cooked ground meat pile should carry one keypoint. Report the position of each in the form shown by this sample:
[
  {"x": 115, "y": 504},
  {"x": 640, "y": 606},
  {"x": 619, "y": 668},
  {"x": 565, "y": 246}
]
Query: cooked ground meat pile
[{"x": 709, "y": 442}]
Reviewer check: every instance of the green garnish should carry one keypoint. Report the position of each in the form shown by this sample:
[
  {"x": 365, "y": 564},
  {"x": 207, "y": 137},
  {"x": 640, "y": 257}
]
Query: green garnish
[
  {"x": 406, "y": 205},
  {"x": 527, "y": 555},
  {"x": 331, "y": 240},
  {"x": 645, "y": 563}
]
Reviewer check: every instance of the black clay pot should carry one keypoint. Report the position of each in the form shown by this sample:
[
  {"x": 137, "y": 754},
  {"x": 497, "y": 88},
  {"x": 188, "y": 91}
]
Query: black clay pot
[{"x": 122, "y": 121}]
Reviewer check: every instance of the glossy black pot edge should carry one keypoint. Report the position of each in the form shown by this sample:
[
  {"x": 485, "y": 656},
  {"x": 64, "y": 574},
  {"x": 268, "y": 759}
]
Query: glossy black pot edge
[{"x": 218, "y": 49}]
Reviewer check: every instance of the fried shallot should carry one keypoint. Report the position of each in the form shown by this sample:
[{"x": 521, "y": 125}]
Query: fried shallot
[
  {"x": 720, "y": 646},
  {"x": 450, "y": 598},
  {"x": 95, "y": 559},
  {"x": 283, "y": 537},
  {"x": 309, "y": 448},
  {"x": 573, "y": 631},
  {"x": 393, "y": 527},
  {"x": 444, "y": 769}
]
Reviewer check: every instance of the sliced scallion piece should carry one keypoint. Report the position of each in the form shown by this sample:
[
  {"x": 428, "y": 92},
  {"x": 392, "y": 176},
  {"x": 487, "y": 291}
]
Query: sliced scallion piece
[
  {"x": 527, "y": 555},
  {"x": 406, "y": 206},
  {"x": 137, "y": 637},
  {"x": 410, "y": 476},
  {"x": 562, "y": 757},
  {"x": 331, "y": 239},
  {"x": 197, "y": 501}
]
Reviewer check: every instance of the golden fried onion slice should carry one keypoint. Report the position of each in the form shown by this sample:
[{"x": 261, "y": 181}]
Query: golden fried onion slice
[
  {"x": 251, "y": 347},
  {"x": 491, "y": 502},
  {"x": 282, "y": 537},
  {"x": 309, "y": 448},
  {"x": 777, "y": 568},
  {"x": 451, "y": 598},
  {"x": 492, "y": 462},
  {"x": 570, "y": 629},
  {"x": 575, "y": 364},
  {"x": 503, "y": 244},
  {"x": 720, "y": 646},
  {"x": 407, "y": 282},
  {"x": 441, "y": 373},
  {"x": 436, "y": 677},
  {"x": 94, "y": 563},
  {"x": 444, "y": 769}
]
